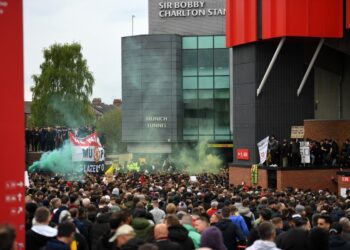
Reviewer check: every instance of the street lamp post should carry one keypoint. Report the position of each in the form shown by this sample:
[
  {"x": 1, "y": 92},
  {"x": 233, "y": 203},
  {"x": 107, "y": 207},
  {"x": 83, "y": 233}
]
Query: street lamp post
[{"x": 132, "y": 25}]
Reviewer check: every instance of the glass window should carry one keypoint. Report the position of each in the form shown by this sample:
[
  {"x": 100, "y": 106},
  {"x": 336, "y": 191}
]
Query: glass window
[
  {"x": 205, "y": 62},
  {"x": 206, "y": 137},
  {"x": 221, "y": 62},
  {"x": 206, "y": 117},
  {"x": 190, "y": 137},
  {"x": 190, "y": 117},
  {"x": 222, "y": 137},
  {"x": 189, "y": 62},
  {"x": 205, "y": 82},
  {"x": 189, "y": 83},
  {"x": 222, "y": 117},
  {"x": 205, "y": 94},
  {"x": 190, "y": 94},
  {"x": 189, "y": 42},
  {"x": 205, "y": 42},
  {"x": 222, "y": 82},
  {"x": 219, "y": 42},
  {"x": 222, "y": 94}
]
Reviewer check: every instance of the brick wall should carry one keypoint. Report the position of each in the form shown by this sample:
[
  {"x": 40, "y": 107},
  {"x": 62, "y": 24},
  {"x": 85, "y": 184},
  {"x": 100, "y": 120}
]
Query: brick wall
[
  {"x": 238, "y": 174},
  {"x": 314, "y": 179},
  {"x": 319, "y": 130}
]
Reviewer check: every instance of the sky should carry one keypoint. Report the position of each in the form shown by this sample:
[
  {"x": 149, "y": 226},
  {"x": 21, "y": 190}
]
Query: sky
[{"x": 97, "y": 25}]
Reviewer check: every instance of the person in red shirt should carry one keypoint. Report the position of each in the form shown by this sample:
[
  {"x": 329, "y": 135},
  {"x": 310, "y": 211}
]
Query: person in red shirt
[{"x": 213, "y": 208}]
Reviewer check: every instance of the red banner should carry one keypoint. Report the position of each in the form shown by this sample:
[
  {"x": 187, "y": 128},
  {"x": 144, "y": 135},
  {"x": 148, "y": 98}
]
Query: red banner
[
  {"x": 12, "y": 117},
  {"x": 242, "y": 154},
  {"x": 90, "y": 140}
]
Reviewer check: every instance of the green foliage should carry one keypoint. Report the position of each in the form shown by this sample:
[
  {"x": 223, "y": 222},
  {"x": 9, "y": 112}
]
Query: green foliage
[
  {"x": 110, "y": 125},
  {"x": 62, "y": 90}
]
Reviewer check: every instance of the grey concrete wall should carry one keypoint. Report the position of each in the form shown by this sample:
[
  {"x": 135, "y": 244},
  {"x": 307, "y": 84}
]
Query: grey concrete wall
[
  {"x": 151, "y": 88},
  {"x": 345, "y": 111},
  {"x": 199, "y": 21}
]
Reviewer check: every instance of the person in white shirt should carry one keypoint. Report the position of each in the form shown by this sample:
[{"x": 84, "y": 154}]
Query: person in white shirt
[{"x": 158, "y": 214}]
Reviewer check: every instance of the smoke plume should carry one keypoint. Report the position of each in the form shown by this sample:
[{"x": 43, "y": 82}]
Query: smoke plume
[
  {"x": 58, "y": 161},
  {"x": 196, "y": 160}
]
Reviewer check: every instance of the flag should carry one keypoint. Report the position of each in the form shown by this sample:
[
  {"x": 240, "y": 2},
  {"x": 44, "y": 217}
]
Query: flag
[
  {"x": 262, "y": 145},
  {"x": 110, "y": 170}
]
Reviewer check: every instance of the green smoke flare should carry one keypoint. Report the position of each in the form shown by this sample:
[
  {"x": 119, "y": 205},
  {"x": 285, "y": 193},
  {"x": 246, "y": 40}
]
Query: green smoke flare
[
  {"x": 58, "y": 161},
  {"x": 196, "y": 160}
]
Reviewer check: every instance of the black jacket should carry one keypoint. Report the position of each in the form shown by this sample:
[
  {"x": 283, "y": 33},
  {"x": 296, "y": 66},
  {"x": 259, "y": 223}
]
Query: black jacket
[
  {"x": 56, "y": 245},
  {"x": 294, "y": 239},
  {"x": 230, "y": 232},
  {"x": 167, "y": 245},
  {"x": 35, "y": 241},
  {"x": 179, "y": 234},
  {"x": 337, "y": 242},
  {"x": 104, "y": 244},
  {"x": 99, "y": 228},
  {"x": 133, "y": 244}
]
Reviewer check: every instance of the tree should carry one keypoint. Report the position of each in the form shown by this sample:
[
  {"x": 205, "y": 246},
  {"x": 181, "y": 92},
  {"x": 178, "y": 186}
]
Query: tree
[
  {"x": 110, "y": 128},
  {"x": 61, "y": 91}
]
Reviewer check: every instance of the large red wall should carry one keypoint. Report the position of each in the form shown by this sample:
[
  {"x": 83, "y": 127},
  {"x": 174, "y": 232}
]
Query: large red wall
[
  {"x": 305, "y": 18},
  {"x": 348, "y": 14},
  {"x": 241, "y": 22},
  {"x": 279, "y": 18},
  {"x": 12, "y": 117}
]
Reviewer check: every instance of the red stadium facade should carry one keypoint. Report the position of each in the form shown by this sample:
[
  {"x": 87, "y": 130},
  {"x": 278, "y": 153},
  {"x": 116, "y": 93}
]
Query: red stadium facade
[
  {"x": 290, "y": 62},
  {"x": 12, "y": 118}
]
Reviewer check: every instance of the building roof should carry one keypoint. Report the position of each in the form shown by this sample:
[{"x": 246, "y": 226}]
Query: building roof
[{"x": 102, "y": 108}]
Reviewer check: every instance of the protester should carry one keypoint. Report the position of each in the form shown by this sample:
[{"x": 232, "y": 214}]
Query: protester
[
  {"x": 213, "y": 239},
  {"x": 90, "y": 204},
  {"x": 65, "y": 236},
  {"x": 7, "y": 238},
  {"x": 161, "y": 236},
  {"x": 41, "y": 232},
  {"x": 158, "y": 214},
  {"x": 267, "y": 234},
  {"x": 229, "y": 230}
]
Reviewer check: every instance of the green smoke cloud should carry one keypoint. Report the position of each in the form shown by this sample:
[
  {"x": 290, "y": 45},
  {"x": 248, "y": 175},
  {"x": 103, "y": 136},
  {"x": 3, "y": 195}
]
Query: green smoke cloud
[
  {"x": 196, "y": 160},
  {"x": 58, "y": 161}
]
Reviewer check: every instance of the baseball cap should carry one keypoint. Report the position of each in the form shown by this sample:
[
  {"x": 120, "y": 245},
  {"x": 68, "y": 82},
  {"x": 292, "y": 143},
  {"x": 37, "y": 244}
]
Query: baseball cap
[{"x": 123, "y": 230}]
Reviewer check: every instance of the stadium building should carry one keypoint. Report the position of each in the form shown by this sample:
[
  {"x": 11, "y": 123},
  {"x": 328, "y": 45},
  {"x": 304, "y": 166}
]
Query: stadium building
[
  {"x": 290, "y": 67},
  {"x": 176, "y": 79},
  {"x": 236, "y": 72}
]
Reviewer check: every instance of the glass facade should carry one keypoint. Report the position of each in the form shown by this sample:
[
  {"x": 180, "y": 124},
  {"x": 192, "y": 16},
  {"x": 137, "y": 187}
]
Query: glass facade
[{"x": 205, "y": 84}]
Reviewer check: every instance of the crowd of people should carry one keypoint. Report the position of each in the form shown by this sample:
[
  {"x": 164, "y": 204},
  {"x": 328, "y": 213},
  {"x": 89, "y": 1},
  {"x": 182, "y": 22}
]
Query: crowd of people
[
  {"x": 172, "y": 211},
  {"x": 49, "y": 138},
  {"x": 322, "y": 153}
]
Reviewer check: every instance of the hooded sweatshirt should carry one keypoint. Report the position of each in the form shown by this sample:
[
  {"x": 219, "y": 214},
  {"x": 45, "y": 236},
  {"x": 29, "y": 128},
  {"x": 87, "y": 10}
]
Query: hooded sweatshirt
[
  {"x": 230, "y": 232},
  {"x": 39, "y": 235},
  {"x": 143, "y": 228},
  {"x": 179, "y": 234},
  {"x": 337, "y": 242},
  {"x": 263, "y": 245}
]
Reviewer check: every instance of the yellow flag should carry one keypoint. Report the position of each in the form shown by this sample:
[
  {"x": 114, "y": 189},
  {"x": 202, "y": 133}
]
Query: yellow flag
[{"x": 110, "y": 170}]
